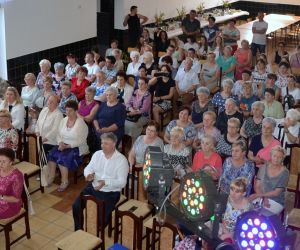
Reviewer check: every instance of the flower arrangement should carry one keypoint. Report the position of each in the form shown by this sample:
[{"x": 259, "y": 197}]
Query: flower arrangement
[
  {"x": 200, "y": 8},
  {"x": 181, "y": 13},
  {"x": 159, "y": 18},
  {"x": 226, "y": 4}
]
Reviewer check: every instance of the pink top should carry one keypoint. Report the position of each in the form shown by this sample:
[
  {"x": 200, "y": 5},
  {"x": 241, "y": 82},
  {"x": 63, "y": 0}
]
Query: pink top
[
  {"x": 85, "y": 109},
  {"x": 265, "y": 153},
  {"x": 241, "y": 57},
  {"x": 11, "y": 185},
  {"x": 214, "y": 160}
]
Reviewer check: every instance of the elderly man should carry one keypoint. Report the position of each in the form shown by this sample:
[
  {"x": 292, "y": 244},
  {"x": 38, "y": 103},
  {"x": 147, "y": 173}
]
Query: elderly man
[
  {"x": 196, "y": 65},
  {"x": 110, "y": 70},
  {"x": 107, "y": 175},
  {"x": 65, "y": 96},
  {"x": 190, "y": 25},
  {"x": 186, "y": 82}
]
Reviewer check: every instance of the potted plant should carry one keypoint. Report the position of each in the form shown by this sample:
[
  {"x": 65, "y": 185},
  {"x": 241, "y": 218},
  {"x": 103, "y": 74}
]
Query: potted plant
[
  {"x": 200, "y": 8},
  {"x": 159, "y": 18},
  {"x": 226, "y": 5},
  {"x": 181, "y": 13}
]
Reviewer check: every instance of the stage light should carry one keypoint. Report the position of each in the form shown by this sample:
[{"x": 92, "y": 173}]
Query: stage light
[
  {"x": 197, "y": 192},
  {"x": 261, "y": 230}
]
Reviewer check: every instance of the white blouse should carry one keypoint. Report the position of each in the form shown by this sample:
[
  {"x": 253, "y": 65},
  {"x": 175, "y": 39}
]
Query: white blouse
[
  {"x": 17, "y": 114},
  {"x": 29, "y": 95},
  {"x": 133, "y": 69}
]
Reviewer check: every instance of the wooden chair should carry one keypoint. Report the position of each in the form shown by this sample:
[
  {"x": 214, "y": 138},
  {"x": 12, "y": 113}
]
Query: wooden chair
[
  {"x": 295, "y": 71},
  {"x": 129, "y": 219},
  {"x": 137, "y": 178},
  {"x": 6, "y": 224},
  {"x": 79, "y": 172},
  {"x": 293, "y": 219},
  {"x": 131, "y": 49},
  {"x": 93, "y": 225}
]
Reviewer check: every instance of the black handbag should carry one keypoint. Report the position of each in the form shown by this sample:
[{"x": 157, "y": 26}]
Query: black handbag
[{"x": 133, "y": 118}]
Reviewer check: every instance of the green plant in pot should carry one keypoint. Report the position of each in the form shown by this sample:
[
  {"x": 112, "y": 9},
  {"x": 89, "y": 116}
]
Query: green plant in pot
[
  {"x": 159, "y": 18},
  {"x": 181, "y": 13}
]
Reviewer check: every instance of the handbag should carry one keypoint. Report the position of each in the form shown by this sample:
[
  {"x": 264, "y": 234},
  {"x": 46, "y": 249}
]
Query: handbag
[
  {"x": 133, "y": 118},
  {"x": 43, "y": 163}
]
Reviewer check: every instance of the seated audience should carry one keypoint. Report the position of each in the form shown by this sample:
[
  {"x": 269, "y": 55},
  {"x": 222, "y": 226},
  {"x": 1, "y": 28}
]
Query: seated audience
[
  {"x": 295, "y": 58},
  {"x": 259, "y": 75},
  {"x": 161, "y": 40},
  {"x": 111, "y": 115},
  {"x": 227, "y": 63},
  {"x": 252, "y": 126},
  {"x": 149, "y": 63},
  {"x": 211, "y": 30},
  {"x": 264, "y": 57},
  {"x": 231, "y": 35},
  {"x": 224, "y": 145},
  {"x": 170, "y": 53},
  {"x": 282, "y": 75},
  {"x": 48, "y": 123},
  {"x": 238, "y": 85},
  {"x": 247, "y": 99},
  {"x": 65, "y": 96},
  {"x": 113, "y": 45},
  {"x": 125, "y": 90},
  {"x": 92, "y": 67},
  {"x": 191, "y": 44},
  {"x": 146, "y": 36},
  {"x": 136, "y": 155},
  {"x": 235, "y": 167},
  {"x": 44, "y": 94},
  {"x": 11, "y": 185},
  {"x": 133, "y": 67},
  {"x": 271, "y": 182},
  {"x": 72, "y": 66},
  {"x": 243, "y": 57},
  {"x": 273, "y": 108},
  {"x": 9, "y": 137},
  {"x": 200, "y": 106},
  {"x": 177, "y": 153},
  {"x": 71, "y": 140},
  {"x": 163, "y": 86},
  {"x": 45, "y": 66},
  {"x": 207, "y": 159},
  {"x": 88, "y": 107},
  {"x": 281, "y": 54},
  {"x": 100, "y": 86},
  {"x": 270, "y": 84},
  {"x": 80, "y": 83},
  {"x": 210, "y": 72},
  {"x": 30, "y": 92},
  {"x": 110, "y": 70},
  {"x": 262, "y": 144},
  {"x": 117, "y": 54},
  {"x": 231, "y": 110},
  {"x": 13, "y": 103},
  {"x": 203, "y": 48},
  {"x": 98, "y": 59},
  {"x": 58, "y": 77},
  {"x": 138, "y": 110},
  {"x": 107, "y": 175},
  {"x": 183, "y": 122},
  {"x": 207, "y": 128},
  {"x": 291, "y": 89},
  {"x": 220, "y": 97},
  {"x": 217, "y": 47}
]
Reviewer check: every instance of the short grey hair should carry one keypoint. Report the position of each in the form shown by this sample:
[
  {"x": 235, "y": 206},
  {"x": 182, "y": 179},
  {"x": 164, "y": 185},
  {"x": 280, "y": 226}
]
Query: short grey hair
[
  {"x": 116, "y": 51},
  {"x": 228, "y": 82},
  {"x": 203, "y": 90},
  {"x": 66, "y": 83},
  {"x": 230, "y": 100},
  {"x": 112, "y": 90},
  {"x": 90, "y": 89},
  {"x": 134, "y": 54},
  {"x": 293, "y": 114},
  {"x": 240, "y": 143},
  {"x": 271, "y": 121},
  {"x": 45, "y": 62},
  {"x": 259, "y": 105},
  {"x": 59, "y": 65},
  {"x": 148, "y": 54},
  {"x": 110, "y": 136},
  {"x": 278, "y": 148}
]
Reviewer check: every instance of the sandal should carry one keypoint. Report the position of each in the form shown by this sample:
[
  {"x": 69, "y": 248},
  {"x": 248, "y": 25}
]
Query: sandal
[{"x": 63, "y": 186}]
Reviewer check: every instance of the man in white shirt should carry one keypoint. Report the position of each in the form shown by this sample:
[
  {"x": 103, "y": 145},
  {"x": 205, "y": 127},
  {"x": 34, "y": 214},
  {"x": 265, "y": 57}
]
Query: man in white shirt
[
  {"x": 91, "y": 66},
  {"x": 259, "y": 30},
  {"x": 196, "y": 65},
  {"x": 186, "y": 81},
  {"x": 107, "y": 175}
]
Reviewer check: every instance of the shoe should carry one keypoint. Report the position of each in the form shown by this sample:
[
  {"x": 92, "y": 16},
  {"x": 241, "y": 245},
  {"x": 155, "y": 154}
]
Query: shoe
[{"x": 63, "y": 187}]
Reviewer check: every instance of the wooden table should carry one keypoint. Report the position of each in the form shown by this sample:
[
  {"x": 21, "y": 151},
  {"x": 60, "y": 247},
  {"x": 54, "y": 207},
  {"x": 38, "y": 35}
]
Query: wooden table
[{"x": 275, "y": 22}]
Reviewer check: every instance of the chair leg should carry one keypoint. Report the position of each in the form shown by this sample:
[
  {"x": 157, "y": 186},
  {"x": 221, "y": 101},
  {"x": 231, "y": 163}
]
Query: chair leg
[
  {"x": 27, "y": 226},
  {"x": 110, "y": 226},
  {"x": 116, "y": 233},
  {"x": 7, "y": 239},
  {"x": 75, "y": 177}
]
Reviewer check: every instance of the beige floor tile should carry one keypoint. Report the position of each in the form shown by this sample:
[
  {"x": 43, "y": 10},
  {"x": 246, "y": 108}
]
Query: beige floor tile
[
  {"x": 51, "y": 231},
  {"x": 50, "y": 246},
  {"x": 38, "y": 208},
  {"x": 63, "y": 235},
  {"x": 36, "y": 223},
  {"x": 50, "y": 215},
  {"x": 20, "y": 247},
  {"x": 36, "y": 242},
  {"x": 48, "y": 200},
  {"x": 66, "y": 222}
]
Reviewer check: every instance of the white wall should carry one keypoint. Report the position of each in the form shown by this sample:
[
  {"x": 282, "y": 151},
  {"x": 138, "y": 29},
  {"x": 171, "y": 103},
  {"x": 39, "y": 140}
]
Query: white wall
[
  {"x": 150, "y": 7},
  {"x": 3, "y": 64},
  {"x": 292, "y": 2},
  {"x": 35, "y": 25}
]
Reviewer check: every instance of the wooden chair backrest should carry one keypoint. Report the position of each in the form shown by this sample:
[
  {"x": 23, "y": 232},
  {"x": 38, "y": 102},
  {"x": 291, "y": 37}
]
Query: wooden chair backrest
[
  {"x": 295, "y": 159},
  {"x": 295, "y": 71}
]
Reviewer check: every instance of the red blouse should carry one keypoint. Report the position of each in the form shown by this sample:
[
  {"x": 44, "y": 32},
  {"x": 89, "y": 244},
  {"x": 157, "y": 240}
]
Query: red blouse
[{"x": 79, "y": 90}]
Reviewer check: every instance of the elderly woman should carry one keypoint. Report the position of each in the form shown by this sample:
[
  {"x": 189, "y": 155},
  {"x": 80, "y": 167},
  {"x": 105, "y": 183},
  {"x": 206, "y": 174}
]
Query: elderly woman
[
  {"x": 237, "y": 166},
  {"x": 164, "y": 87},
  {"x": 9, "y": 137},
  {"x": 271, "y": 182},
  {"x": 125, "y": 90},
  {"x": 71, "y": 67},
  {"x": 45, "y": 66},
  {"x": 88, "y": 107},
  {"x": 138, "y": 110},
  {"x": 273, "y": 108},
  {"x": 200, "y": 106},
  {"x": 111, "y": 115},
  {"x": 207, "y": 159},
  {"x": 252, "y": 126},
  {"x": 231, "y": 110},
  {"x": 149, "y": 63},
  {"x": 44, "y": 94},
  {"x": 48, "y": 123},
  {"x": 227, "y": 63},
  {"x": 243, "y": 59},
  {"x": 80, "y": 83},
  {"x": 183, "y": 122},
  {"x": 208, "y": 128},
  {"x": 210, "y": 72},
  {"x": 59, "y": 76},
  {"x": 247, "y": 99},
  {"x": 133, "y": 67},
  {"x": 261, "y": 145},
  {"x": 224, "y": 145},
  {"x": 66, "y": 95},
  {"x": 30, "y": 92},
  {"x": 117, "y": 54},
  {"x": 100, "y": 86},
  {"x": 291, "y": 89},
  {"x": 13, "y": 103},
  {"x": 220, "y": 97},
  {"x": 176, "y": 152},
  {"x": 11, "y": 185},
  {"x": 71, "y": 141}
]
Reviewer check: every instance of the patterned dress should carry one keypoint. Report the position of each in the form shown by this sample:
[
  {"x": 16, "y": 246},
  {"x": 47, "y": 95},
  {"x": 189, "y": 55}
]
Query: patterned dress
[{"x": 9, "y": 138}]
